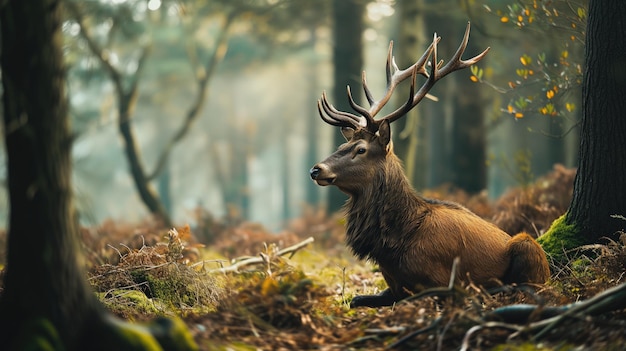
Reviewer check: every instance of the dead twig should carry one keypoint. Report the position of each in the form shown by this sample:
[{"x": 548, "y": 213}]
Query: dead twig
[
  {"x": 234, "y": 268},
  {"x": 468, "y": 335}
]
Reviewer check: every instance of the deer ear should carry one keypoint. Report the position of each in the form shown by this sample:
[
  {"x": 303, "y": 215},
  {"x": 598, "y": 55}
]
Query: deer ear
[
  {"x": 347, "y": 133},
  {"x": 384, "y": 133}
]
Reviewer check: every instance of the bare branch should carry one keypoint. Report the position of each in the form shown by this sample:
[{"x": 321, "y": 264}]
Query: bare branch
[
  {"x": 202, "y": 82},
  {"x": 234, "y": 268}
]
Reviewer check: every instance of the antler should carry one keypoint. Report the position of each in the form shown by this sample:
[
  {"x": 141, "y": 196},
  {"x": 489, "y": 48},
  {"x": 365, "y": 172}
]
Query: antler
[{"x": 394, "y": 76}]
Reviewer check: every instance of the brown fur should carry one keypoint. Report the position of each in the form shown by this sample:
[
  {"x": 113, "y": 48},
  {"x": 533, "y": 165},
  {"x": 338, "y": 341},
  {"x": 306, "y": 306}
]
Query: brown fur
[{"x": 415, "y": 240}]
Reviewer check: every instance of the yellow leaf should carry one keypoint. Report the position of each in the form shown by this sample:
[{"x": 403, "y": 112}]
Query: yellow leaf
[
  {"x": 550, "y": 94},
  {"x": 510, "y": 109},
  {"x": 564, "y": 54},
  {"x": 504, "y": 19},
  {"x": 523, "y": 60},
  {"x": 520, "y": 18},
  {"x": 473, "y": 79},
  {"x": 518, "y": 115},
  {"x": 570, "y": 107},
  {"x": 512, "y": 85}
]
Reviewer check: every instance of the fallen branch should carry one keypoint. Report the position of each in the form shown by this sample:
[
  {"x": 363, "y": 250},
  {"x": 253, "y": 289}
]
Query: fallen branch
[
  {"x": 609, "y": 300},
  {"x": 516, "y": 317},
  {"x": 262, "y": 258}
]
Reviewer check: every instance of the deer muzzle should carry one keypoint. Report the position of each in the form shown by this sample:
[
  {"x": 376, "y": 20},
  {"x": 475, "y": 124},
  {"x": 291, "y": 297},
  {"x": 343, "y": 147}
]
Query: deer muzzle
[{"x": 321, "y": 174}]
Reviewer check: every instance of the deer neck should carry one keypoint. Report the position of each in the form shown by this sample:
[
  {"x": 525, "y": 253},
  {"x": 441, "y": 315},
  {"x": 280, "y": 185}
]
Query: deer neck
[{"x": 378, "y": 215}]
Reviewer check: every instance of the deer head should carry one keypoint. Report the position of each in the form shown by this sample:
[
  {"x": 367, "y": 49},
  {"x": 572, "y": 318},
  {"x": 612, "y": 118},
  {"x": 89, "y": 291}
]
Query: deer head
[{"x": 369, "y": 139}]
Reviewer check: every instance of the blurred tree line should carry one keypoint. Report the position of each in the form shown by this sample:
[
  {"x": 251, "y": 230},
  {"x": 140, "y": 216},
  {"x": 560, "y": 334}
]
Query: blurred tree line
[{"x": 180, "y": 104}]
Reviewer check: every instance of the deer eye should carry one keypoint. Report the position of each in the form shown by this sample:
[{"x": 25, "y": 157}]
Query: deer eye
[{"x": 361, "y": 150}]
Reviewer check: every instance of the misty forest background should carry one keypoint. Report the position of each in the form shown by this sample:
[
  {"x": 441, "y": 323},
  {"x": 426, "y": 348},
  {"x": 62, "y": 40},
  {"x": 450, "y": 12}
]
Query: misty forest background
[{"x": 180, "y": 105}]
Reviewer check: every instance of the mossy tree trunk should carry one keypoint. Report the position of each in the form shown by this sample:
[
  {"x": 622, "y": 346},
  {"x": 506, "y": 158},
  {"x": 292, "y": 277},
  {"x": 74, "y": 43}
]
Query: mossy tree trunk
[
  {"x": 43, "y": 277},
  {"x": 600, "y": 186},
  {"x": 46, "y": 302}
]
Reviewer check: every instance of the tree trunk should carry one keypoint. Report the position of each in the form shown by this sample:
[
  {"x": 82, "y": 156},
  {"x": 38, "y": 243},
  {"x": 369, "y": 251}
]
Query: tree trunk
[
  {"x": 43, "y": 276},
  {"x": 600, "y": 185},
  {"x": 146, "y": 191},
  {"x": 348, "y": 19},
  {"x": 46, "y": 302},
  {"x": 469, "y": 138},
  {"x": 412, "y": 41},
  {"x": 164, "y": 188},
  {"x": 312, "y": 120}
]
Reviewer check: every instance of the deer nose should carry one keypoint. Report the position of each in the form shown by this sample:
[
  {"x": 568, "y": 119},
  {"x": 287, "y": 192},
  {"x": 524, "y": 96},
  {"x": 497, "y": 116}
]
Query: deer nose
[{"x": 315, "y": 172}]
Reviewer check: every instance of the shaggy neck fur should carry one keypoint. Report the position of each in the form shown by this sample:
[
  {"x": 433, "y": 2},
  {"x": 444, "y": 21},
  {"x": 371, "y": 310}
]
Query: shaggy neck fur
[{"x": 381, "y": 211}]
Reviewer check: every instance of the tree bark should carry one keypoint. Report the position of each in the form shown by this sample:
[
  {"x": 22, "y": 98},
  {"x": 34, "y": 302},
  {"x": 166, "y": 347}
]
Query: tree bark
[
  {"x": 469, "y": 138},
  {"x": 600, "y": 184},
  {"x": 43, "y": 275},
  {"x": 348, "y": 20},
  {"x": 46, "y": 303}
]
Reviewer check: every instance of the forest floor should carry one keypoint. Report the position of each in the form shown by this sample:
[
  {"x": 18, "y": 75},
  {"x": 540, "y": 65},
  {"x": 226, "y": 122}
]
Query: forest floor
[{"x": 239, "y": 287}]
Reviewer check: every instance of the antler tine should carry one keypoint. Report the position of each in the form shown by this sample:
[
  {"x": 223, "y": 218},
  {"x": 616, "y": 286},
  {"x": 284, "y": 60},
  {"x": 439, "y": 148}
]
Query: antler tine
[
  {"x": 395, "y": 75},
  {"x": 437, "y": 72},
  {"x": 456, "y": 63},
  {"x": 423, "y": 91},
  {"x": 325, "y": 118},
  {"x": 334, "y": 117},
  {"x": 390, "y": 68},
  {"x": 369, "y": 120},
  {"x": 366, "y": 90}
]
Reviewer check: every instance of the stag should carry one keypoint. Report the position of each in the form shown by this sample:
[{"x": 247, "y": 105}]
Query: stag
[{"x": 414, "y": 240}]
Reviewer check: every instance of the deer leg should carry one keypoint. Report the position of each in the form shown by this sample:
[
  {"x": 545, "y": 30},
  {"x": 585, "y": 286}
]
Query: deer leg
[{"x": 385, "y": 298}]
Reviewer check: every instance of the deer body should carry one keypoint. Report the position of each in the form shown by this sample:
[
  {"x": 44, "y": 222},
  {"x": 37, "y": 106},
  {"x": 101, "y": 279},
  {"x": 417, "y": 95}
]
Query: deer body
[{"x": 414, "y": 240}]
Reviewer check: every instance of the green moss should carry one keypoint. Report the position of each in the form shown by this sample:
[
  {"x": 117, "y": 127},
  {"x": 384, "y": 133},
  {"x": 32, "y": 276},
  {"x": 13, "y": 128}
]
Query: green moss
[
  {"x": 530, "y": 347},
  {"x": 177, "y": 286},
  {"x": 115, "y": 333},
  {"x": 128, "y": 303},
  {"x": 109, "y": 333},
  {"x": 560, "y": 238},
  {"x": 172, "y": 334},
  {"x": 171, "y": 289},
  {"x": 162, "y": 334}
]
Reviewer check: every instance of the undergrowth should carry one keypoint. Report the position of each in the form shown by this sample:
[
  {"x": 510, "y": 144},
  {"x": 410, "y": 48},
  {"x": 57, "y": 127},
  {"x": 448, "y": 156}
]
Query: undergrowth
[{"x": 156, "y": 279}]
